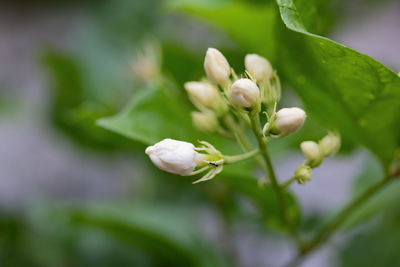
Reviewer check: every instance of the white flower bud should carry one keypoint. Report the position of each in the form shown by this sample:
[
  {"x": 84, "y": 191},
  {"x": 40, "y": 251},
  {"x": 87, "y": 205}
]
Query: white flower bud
[
  {"x": 312, "y": 152},
  {"x": 174, "y": 156},
  {"x": 245, "y": 93},
  {"x": 205, "y": 122},
  {"x": 330, "y": 144},
  {"x": 217, "y": 67},
  {"x": 259, "y": 68},
  {"x": 289, "y": 120},
  {"x": 303, "y": 173},
  {"x": 204, "y": 94}
]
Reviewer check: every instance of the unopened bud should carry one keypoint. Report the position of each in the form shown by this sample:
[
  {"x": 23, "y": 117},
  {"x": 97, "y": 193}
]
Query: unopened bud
[
  {"x": 289, "y": 120},
  {"x": 205, "y": 122},
  {"x": 312, "y": 152},
  {"x": 330, "y": 144},
  {"x": 204, "y": 94},
  {"x": 245, "y": 93},
  {"x": 303, "y": 173},
  {"x": 175, "y": 156},
  {"x": 259, "y": 68},
  {"x": 217, "y": 67}
]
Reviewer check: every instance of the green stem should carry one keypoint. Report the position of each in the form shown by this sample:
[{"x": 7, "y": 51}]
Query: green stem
[
  {"x": 326, "y": 232},
  {"x": 241, "y": 157},
  {"x": 262, "y": 144},
  {"x": 288, "y": 182},
  {"x": 241, "y": 139}
]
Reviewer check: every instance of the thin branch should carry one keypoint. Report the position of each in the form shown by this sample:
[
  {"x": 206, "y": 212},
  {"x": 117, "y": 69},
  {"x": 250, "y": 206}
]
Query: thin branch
[
  {"x": 241, "y": 157},
  {"x": 288, "y": 182},
  {"x": 326, "y": 232},
  {"x": 256, "y": 128}
]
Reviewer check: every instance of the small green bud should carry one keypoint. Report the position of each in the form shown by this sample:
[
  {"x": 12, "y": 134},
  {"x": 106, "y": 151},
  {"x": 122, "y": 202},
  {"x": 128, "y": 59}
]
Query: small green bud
[{"x": 303, "y": 173}]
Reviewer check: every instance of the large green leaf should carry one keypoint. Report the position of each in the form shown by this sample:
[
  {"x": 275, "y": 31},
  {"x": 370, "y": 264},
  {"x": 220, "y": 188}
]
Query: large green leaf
[
  {"x": 152, "y": 115},
  {"x": 73, "y": 109},
  {"x": 169, "y": 235},
  {"x": 341, "y": 88}
]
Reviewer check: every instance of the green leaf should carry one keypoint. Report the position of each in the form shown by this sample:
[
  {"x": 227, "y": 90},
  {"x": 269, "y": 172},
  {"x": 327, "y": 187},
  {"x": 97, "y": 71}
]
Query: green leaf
[
  {"x": 73, "y": 109},
  {"x": 168, "y": 234},
  {"x": 255, "y": 31},
  {"x": 341, "y": 88},
  {"x": 376, "y": 246},
  {"x": 152, "y": 115}
]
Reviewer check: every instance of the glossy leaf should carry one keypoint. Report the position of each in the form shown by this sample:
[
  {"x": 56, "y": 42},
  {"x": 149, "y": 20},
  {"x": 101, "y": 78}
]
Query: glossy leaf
[{"x": 341, "y": 88}]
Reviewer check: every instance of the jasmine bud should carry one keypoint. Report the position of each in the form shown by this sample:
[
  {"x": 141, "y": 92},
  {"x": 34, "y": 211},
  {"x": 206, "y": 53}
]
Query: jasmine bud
[
  {"x": 175, "y": 156},
  {"x": 289, "y": 120},
  {"x": 259, "y": 68},
  {"x": 245, "y": 93},
  {"x": 217, "y": 67}
]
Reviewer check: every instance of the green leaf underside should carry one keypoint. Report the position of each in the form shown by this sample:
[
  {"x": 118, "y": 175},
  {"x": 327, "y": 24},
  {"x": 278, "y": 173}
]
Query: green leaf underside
[{"x": 341, "y": 88}]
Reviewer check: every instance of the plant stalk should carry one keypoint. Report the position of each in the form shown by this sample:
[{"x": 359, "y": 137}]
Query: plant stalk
[
  {"x": 241, "y": 157},
  {"x": 262, "y": 144}
]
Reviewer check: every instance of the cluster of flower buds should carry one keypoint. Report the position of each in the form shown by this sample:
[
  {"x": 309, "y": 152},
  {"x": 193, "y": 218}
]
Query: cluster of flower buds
[
  {"x": 226, "y": 102},
  {"x": 315, "y": 153}
]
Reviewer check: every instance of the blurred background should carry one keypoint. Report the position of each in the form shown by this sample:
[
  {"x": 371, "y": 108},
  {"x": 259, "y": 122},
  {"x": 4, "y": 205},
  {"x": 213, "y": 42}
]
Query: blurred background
[{"x": 75, "y": 194}]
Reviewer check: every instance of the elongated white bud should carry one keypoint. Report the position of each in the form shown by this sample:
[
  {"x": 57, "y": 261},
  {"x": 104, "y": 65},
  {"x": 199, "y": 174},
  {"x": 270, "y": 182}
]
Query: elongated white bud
[
  {"x": 245, "y": 93},
  {"x": 217, "y": 67},
  {"x": 312, "y": 152},
  {"x": 205, "y": 122},
  {"x": 330, "y": 144},
  {"x": 174, "y": 156},
  {"x": 259, "y": 68},
  {"x": 289, "y": 120}
]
